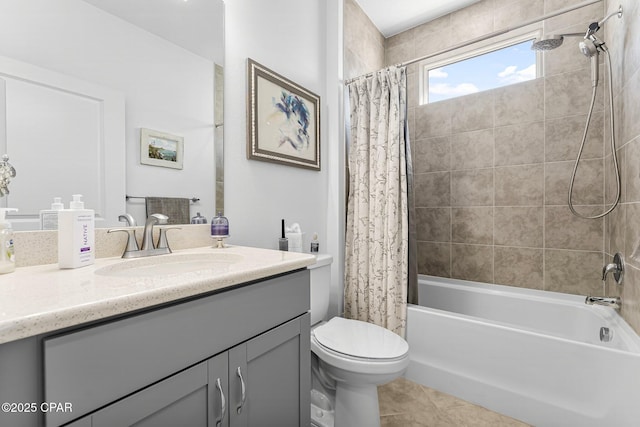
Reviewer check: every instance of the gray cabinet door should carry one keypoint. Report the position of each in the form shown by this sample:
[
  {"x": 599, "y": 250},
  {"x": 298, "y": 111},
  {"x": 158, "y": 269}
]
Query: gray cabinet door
[
  {"x": 275, "y": 370},
  {"x": 218, "y": 367},
  {"x": 180, "y": 400}
]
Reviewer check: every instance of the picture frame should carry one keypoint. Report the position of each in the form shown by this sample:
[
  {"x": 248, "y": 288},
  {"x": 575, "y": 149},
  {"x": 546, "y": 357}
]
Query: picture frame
[
  {"x": 161, "y": 149},
  {"x": 283, "y": 120}
]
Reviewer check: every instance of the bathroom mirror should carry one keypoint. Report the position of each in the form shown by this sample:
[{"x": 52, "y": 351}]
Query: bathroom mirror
[{"x": 97, "y": 72}]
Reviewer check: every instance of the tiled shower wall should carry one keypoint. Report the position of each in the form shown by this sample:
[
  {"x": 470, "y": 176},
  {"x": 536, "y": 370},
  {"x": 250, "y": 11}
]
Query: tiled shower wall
[
  {"x": 623, "y": 226},
  {"x": 492, "y": 169},
  {"x": 363, "y": 43}
]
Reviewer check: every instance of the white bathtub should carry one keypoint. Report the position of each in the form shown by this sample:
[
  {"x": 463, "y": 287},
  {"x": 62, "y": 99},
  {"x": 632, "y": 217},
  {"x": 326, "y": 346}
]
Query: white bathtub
[{"x": 535, "y": 356}]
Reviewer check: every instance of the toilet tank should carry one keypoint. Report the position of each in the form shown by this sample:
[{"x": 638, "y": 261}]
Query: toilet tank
[{"x": 320, "y": 281}]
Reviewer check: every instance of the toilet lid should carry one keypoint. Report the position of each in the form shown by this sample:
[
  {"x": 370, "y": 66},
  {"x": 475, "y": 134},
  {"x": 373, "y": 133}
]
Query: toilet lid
[{"x": 360, "y": 339}]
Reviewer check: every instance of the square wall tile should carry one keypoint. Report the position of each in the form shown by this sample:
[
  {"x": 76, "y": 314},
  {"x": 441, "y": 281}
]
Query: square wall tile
[
  {"x": 472, "y": 262},
  {"x": 433, "y": 120},
  {"x": 473, "y": 112},
  {"x": 434, "y": 259},
  {"x": 472, "y": 187},
  {"x": 519, "y": 185},
  {"x": 519, "y": 144},
  {"x": 563, "y": 137},
  {"x": 519, "y": 226},
  {"x": 433, "y": 224},
  {"x": 519, "y": 103},
  {"x": 472, "y": 150},
  {"x": 522, "y": 267},
  {"x": 432, "y": 189},
  {"x": 569, "y": 93},
  {"x": 563, "y": 230},
  {"x": 517, "y": 11},
  {"x": 472, "y": 225},
  {"x": 615, "y": 224},
  {"x": 588, "y": 188},
  {"x": 573, "y": 272},
  {"x": 431, "y": 154}
]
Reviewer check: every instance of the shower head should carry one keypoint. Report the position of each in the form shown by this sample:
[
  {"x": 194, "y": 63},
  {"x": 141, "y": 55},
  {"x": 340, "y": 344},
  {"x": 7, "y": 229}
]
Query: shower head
[{"x": 552, "y": 41}]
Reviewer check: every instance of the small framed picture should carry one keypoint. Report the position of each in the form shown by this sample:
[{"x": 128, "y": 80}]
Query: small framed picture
[
  {"x": 283, "y": 120},
  {"x": 161, "y": 149}
]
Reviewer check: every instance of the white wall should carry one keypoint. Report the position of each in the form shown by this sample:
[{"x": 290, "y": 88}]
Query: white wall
[
  {"x": 301, "y": 40},
  {"x": 286, "y": 36},
  {"x": 166, "y": 87}
]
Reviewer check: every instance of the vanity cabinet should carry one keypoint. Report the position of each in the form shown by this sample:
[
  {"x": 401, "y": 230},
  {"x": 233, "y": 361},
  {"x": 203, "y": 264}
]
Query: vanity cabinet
[
  {"x": 177, "y": 364},
  {"x": 255, "y": 383}
]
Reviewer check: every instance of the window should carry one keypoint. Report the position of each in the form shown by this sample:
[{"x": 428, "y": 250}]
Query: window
[{"x": 495, "y": 64}]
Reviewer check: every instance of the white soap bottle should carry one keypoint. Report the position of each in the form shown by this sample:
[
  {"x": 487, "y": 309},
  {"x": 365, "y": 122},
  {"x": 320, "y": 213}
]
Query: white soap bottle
[
  {"x": 49, "y": 217},
  {"x": 76, "y": 235},
  {"x": 7, "y": 257}
]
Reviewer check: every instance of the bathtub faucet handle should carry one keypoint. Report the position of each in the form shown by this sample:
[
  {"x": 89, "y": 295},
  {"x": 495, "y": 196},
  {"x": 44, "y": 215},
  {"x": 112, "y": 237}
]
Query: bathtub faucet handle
[{"x": 617, "y": 267}]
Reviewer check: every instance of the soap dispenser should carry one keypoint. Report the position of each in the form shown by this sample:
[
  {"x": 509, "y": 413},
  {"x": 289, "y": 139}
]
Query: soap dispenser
[
  {"x": 220, "y": 226},
  {"x": 76, "y": 235},
  {"x": 49, "y": 217},
  {"x": 7, "y": 258},
  {"x": 219, "y": 229}
]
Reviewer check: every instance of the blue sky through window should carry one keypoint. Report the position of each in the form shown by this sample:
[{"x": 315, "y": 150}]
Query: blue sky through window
[{"x": 512, "y": 64}]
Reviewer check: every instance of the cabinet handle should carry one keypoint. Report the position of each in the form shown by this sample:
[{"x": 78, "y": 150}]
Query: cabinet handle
[
  {"x": 239, "y": 372},
  {"x": 223, "y": 403}
]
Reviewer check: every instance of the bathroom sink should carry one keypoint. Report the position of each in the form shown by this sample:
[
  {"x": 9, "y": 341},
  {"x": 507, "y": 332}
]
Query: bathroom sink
[{"x": 171, "y": 264}]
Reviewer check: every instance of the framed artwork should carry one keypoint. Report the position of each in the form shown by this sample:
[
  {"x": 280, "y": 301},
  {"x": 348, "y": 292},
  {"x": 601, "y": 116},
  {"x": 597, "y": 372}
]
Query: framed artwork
[
  {"x": 161, "y": 149},
  {"x": 283, "y": 120}
]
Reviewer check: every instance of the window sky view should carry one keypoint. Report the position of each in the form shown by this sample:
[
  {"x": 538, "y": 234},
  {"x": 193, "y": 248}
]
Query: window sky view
[{"x": 512, "y": 64}]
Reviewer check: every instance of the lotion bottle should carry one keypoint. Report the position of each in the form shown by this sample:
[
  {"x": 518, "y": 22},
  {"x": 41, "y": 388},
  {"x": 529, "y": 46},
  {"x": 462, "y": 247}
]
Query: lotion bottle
[
  {"x": 7, "y": 257},
  {"x": 49, "y": 217},
  {"x": 76, "y": 235}
]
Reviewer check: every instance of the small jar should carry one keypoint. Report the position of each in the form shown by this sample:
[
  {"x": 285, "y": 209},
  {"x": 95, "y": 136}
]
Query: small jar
[
  {"x": 198, "y": 219},
  {"x": 219, "y": 225}
]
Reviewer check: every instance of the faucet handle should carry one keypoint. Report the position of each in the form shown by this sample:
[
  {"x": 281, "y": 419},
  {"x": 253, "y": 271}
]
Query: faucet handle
[
  {"x": 132, "y": 243},
  {"x": 163, "y": 243},
  {"x": 617, "y": 267},
  {"x": 161, "y": 218}
]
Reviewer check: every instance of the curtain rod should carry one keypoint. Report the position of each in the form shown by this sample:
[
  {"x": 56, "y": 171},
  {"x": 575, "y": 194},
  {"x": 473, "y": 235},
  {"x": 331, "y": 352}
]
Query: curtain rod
[{"x": 487, "y": 36}]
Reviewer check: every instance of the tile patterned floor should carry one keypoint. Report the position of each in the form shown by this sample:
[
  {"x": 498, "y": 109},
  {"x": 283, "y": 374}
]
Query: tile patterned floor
[{"x": 407, "y": 404}]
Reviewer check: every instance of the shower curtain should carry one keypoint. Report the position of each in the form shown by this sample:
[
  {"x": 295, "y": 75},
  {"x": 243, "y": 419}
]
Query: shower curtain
[{"x": 377, "y": 268}]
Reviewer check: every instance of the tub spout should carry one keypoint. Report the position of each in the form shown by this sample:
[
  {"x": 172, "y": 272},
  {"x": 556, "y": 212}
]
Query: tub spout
[{"x": 614, "y": 302}]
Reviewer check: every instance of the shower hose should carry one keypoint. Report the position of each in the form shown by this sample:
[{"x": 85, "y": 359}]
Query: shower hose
[{"x": 613, "y": 146}]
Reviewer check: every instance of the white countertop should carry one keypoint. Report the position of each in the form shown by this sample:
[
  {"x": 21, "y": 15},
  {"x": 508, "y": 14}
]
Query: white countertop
[{"x": 39, "y": 299}]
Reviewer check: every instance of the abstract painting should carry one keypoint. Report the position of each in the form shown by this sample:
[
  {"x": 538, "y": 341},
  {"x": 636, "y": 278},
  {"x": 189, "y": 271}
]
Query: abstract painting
[{"x": 283, "y": 120}]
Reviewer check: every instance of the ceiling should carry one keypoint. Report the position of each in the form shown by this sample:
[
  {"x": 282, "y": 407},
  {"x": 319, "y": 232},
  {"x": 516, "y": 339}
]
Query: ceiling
[
  {"x": 395, "y": 16},
  {"x": 185, "y": 23}
]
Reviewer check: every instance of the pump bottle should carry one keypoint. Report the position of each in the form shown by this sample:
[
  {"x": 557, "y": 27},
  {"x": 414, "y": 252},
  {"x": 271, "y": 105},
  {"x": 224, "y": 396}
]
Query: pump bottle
[
  {"x": 76, "y": 235},
  {"x": 49, "y": 217},
  {"x": 7, "y": 257}
]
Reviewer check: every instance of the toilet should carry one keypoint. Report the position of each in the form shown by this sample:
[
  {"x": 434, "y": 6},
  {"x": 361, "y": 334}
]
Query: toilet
[{"x": 350, "y": 359}]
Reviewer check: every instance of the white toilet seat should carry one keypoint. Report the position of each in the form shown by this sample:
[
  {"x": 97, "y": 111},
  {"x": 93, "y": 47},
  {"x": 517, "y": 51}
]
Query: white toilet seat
[{"x": 359, "y": 347}]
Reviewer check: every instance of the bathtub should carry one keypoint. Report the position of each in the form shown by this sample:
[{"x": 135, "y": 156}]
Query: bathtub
[{"x": 533, "y": 355}]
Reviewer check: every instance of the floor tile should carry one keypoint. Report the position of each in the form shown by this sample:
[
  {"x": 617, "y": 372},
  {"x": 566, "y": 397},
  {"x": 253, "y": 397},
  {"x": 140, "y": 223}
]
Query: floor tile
[{"x": 406, "y": 404}]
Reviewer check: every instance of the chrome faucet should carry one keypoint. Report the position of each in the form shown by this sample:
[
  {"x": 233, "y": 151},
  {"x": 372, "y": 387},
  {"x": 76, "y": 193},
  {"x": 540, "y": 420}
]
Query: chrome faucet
[
  {"x": 148, "y": 247},
  {"x": 147, "y": 234},
  {"x": 617, "y": 268},
  {"x": 128, "y": 218}
]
